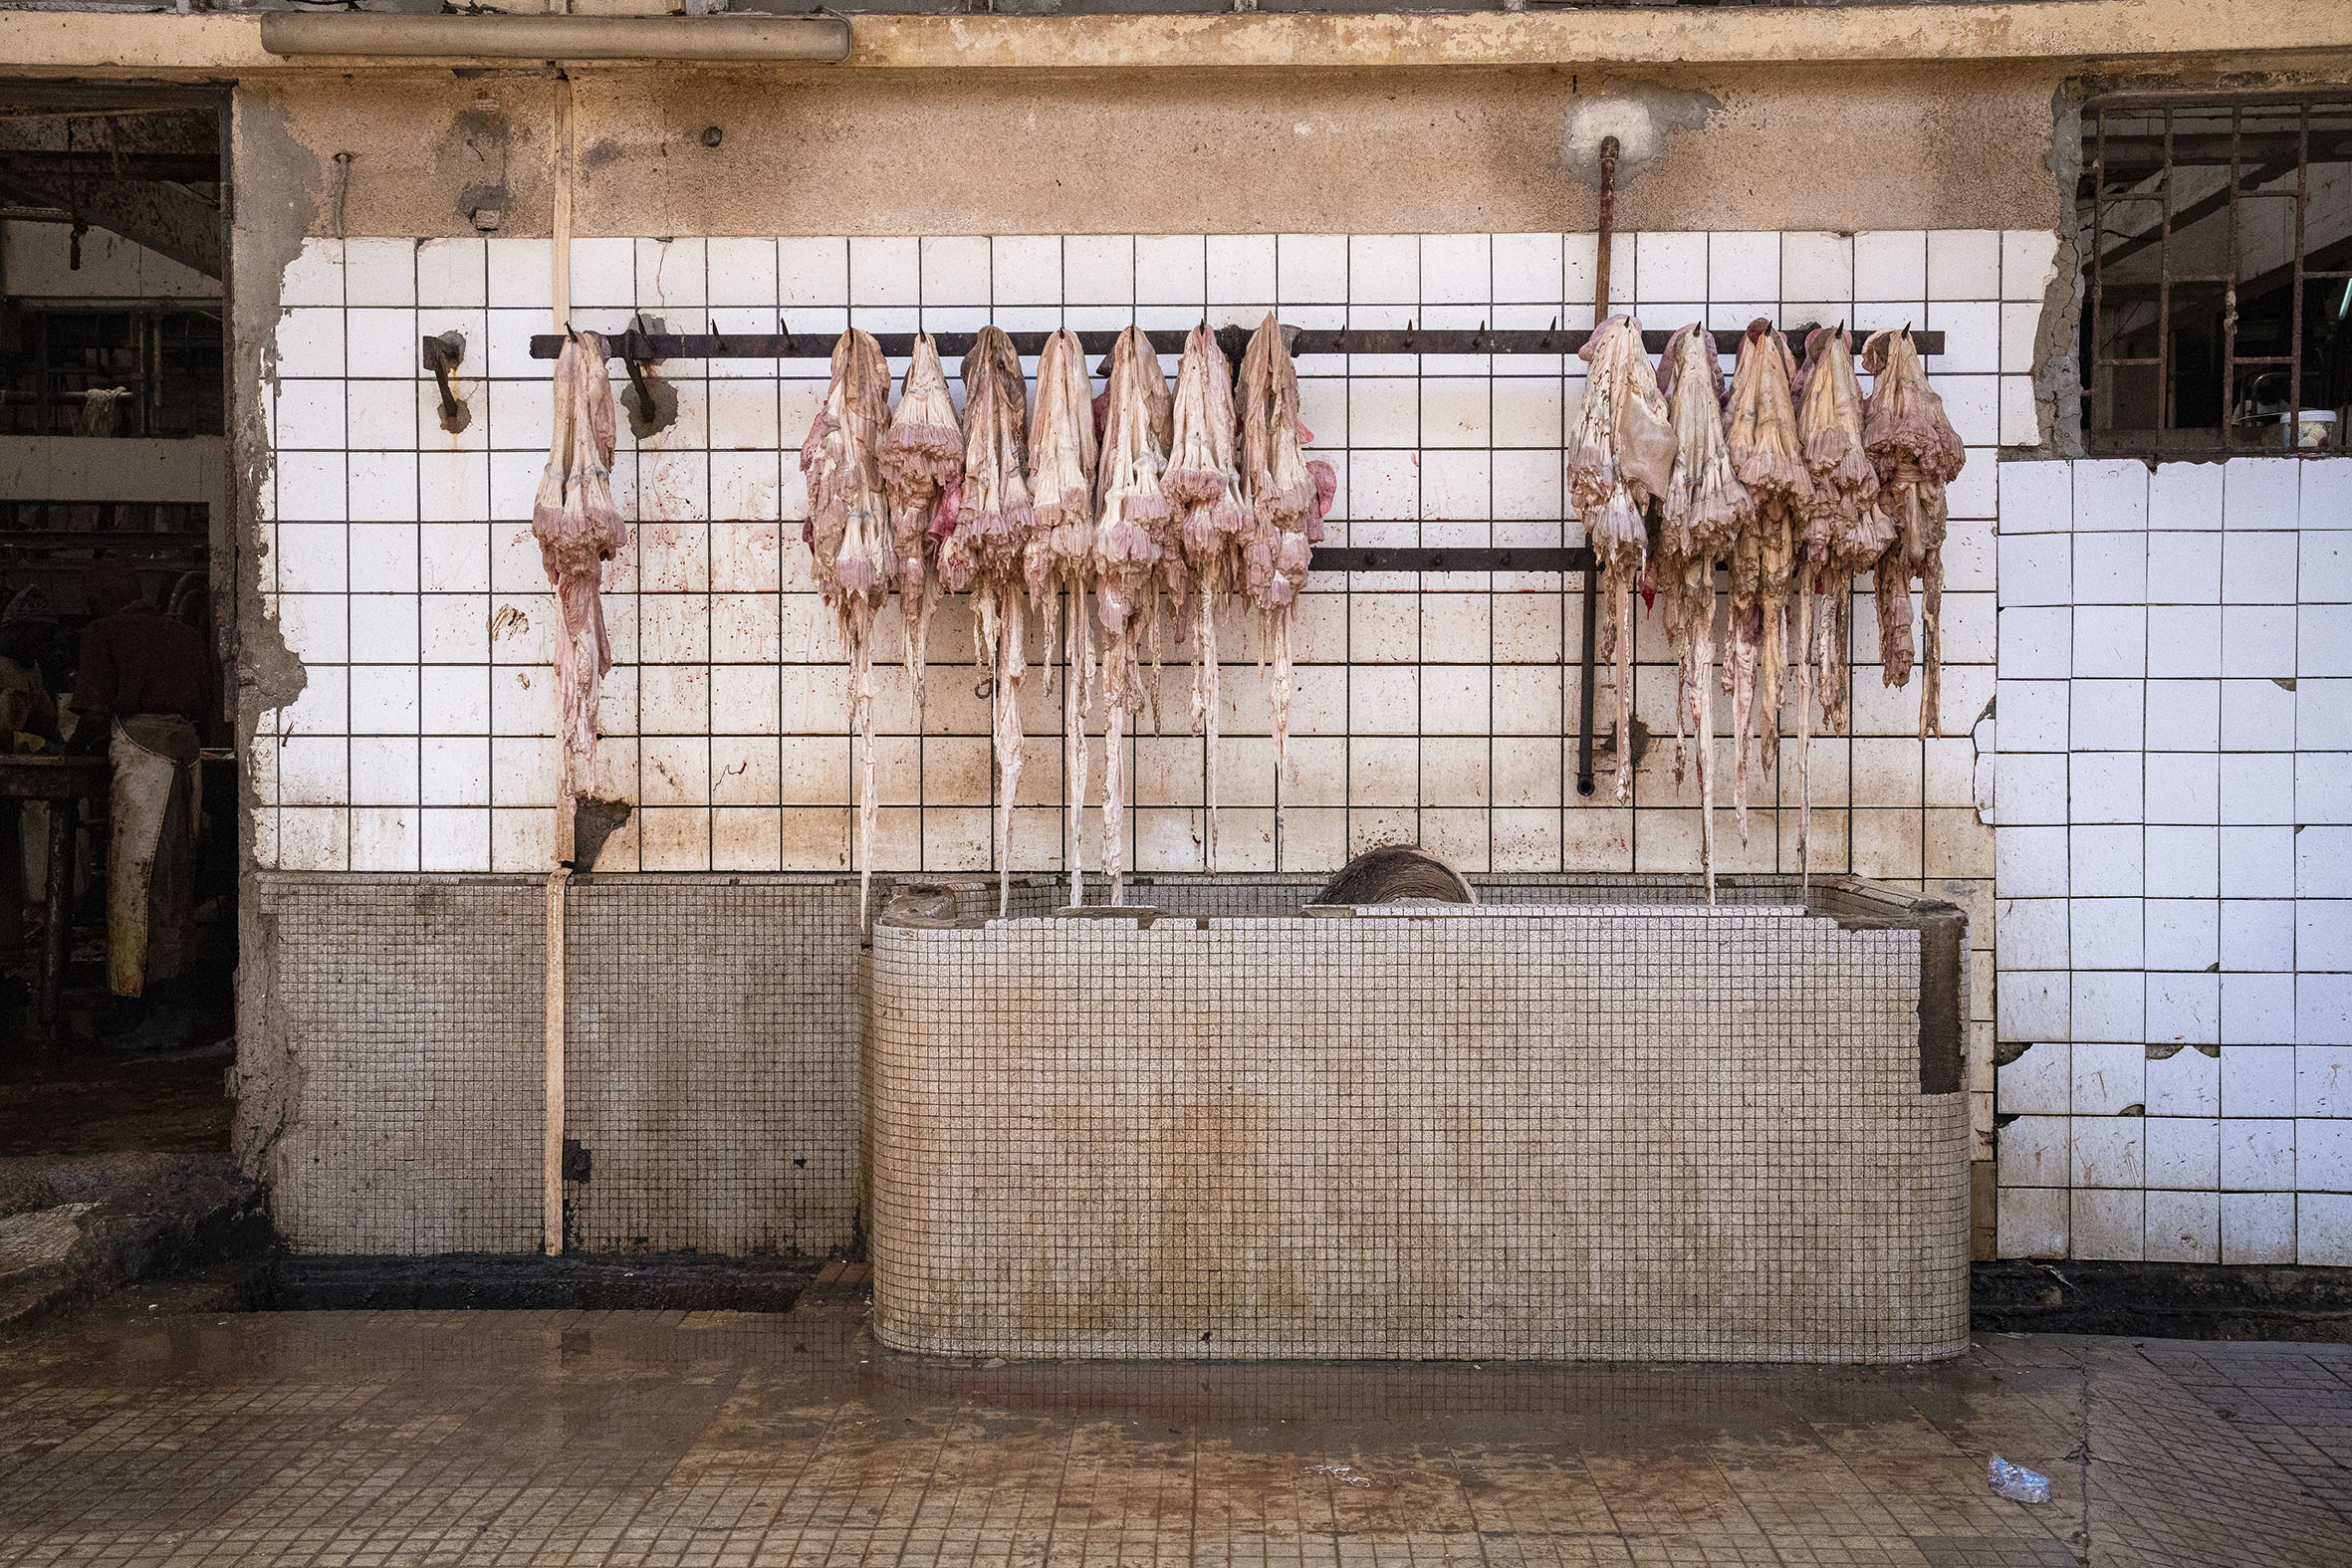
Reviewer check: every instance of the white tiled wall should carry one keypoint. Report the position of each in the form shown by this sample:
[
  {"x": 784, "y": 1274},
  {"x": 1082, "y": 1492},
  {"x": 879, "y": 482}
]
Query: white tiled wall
[
  {"x": 402, "y": 572},
  {"x": 2174, "y": 654},
  {"x": 2174, "y": 795}
]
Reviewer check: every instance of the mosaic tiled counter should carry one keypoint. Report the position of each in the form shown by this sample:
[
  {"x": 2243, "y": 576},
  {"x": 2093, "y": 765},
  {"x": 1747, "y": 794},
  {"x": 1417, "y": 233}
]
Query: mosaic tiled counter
[{"x": 1573, "y": 1129}]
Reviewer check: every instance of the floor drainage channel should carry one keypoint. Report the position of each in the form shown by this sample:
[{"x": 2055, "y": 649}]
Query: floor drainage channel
[
  {"x": 2185, "y": 1301},
  {"x": 484, "y": 1281}
]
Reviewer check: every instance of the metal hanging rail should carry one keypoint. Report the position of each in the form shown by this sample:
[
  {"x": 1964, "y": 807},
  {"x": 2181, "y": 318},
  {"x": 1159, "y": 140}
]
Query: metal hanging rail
[
  {"x": 652, "y": 347},
  {"x": 638, "y": 349}
]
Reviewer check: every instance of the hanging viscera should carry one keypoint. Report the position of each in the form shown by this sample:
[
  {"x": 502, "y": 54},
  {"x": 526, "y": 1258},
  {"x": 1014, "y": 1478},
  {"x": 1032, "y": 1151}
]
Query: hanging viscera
[
  {"x": 1843, "y": 532},
  {"x": 850, "y": 533},
  {"x": 983, "y": 554},
  {"x": 1281, "y": 517},
  {"x": 1916, "y": 453},
  {"x": 923, "y": 470},
  {"x": 578, "y": 529},
  {"x": 1700, "y": 520},
  {"x": 1768, "y": 456},
  {"x": 1059, "y": 556},
  {"x": 1131, "y": 516},
  {"x": 1618, "y": 458},
  {"x": 1203, "y": 486}
]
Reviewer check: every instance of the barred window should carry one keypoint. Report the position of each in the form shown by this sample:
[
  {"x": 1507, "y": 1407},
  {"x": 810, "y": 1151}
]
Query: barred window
[
  {"x": 155, "y": 367},
  {"x": 2217, "y": 246}
]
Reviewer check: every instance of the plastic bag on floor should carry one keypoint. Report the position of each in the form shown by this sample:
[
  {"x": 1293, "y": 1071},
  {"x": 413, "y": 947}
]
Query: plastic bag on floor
[{"x": 2016, "y": 1482}]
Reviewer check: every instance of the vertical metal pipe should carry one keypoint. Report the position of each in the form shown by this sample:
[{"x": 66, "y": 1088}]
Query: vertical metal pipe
[
  {"x": 1584, "y": 785},
  {"x": 1607, "y": 229},
  {"x": 1604, "y": 233}
]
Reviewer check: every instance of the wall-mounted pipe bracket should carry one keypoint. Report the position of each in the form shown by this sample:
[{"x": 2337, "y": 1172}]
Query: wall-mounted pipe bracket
[
  {"x": 652, "y": 404},
  {"x": 443, "y": 354}
]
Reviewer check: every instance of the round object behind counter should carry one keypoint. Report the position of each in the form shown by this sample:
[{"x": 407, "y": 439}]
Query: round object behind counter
[{"x": 1394, "y": 873}]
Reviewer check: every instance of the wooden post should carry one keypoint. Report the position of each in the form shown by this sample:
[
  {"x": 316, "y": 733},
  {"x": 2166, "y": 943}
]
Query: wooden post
[
  {"x": 553, "y": 1238},
  {"x": 552, "y": 1234}
]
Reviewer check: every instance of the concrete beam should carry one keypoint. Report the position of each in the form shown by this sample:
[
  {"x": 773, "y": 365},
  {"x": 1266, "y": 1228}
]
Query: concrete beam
[
  {"x": 185, "y": 167},
  {"x": 2090, "y": 32},
  {"x": 2065, "y": 30},
  {"x": 723, "y": 39},
  {"x": 167, "y": 219}
]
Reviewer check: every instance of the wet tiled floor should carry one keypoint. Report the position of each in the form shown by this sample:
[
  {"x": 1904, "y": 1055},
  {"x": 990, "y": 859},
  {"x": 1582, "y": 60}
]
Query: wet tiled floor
[{"x": 382, "y": 1438}]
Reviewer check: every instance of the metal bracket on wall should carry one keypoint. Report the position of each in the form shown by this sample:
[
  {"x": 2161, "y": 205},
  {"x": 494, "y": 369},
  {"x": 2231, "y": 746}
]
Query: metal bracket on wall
[
  {"x": 442, "y": 355},
  {"x": 636, "y": 351},
  {"x": 651, "y": 405}
]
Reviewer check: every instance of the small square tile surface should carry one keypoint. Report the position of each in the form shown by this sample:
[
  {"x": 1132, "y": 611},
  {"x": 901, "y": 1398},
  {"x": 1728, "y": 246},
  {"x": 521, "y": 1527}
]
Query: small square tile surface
[{"x": 715, "y": 1438}]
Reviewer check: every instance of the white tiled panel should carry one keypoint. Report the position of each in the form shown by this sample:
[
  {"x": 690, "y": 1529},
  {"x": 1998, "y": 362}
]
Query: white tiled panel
[
  {"x": 2174, "y": 860},
  {"x": 2174, "y": 647},
  {"x": 401, "y": 568},
  {"x": 404, "y": 574}
]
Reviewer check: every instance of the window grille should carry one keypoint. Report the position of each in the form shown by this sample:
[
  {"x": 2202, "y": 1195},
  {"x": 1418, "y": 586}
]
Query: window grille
[
  {"x": 2217, "y": 244},
  {"x": 164, "y": 358}
]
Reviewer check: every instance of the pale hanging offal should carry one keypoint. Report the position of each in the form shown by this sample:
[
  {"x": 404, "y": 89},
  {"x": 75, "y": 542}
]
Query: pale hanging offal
[
  {"x": 1061, "y": 559},
  {"x": 1917, "y": 453},
  {"x": 1281, "y": 516},
  {"x": 849, "y": 532},
  {"x": 578, "y": 529},
  {"x": 1203, "y": 487},
  {"x": 1618, "y": 458},
  {"x": 984, "y": 551},
  {"x": 1768, "y": 456},
  {"x": 1131, "y": 520},
  {"x": 1700, "y": 520},
  {"x": 923, "y": 470}
]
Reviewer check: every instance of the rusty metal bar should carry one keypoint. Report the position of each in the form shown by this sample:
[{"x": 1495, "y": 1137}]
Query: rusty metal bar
[
  {"x": 652, "y": 347},
  {"x": 1451, "y": 557},
  {"x": 1584, "y": 692},
  {"x": 1605, "y": 231}
]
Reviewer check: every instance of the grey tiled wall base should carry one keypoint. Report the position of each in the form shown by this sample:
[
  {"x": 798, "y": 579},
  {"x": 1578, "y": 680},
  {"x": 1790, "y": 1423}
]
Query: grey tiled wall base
[
  {"x": 1596, "y": 1128},
  {"x": 394, "y": 1058}
]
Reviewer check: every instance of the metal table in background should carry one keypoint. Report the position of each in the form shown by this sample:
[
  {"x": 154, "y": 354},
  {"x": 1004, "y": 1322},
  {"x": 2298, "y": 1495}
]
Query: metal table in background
[{"x": 61, "y": 781}]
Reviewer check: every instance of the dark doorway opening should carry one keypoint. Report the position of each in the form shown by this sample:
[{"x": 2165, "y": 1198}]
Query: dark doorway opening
[{"x": 113, "y": 209}]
